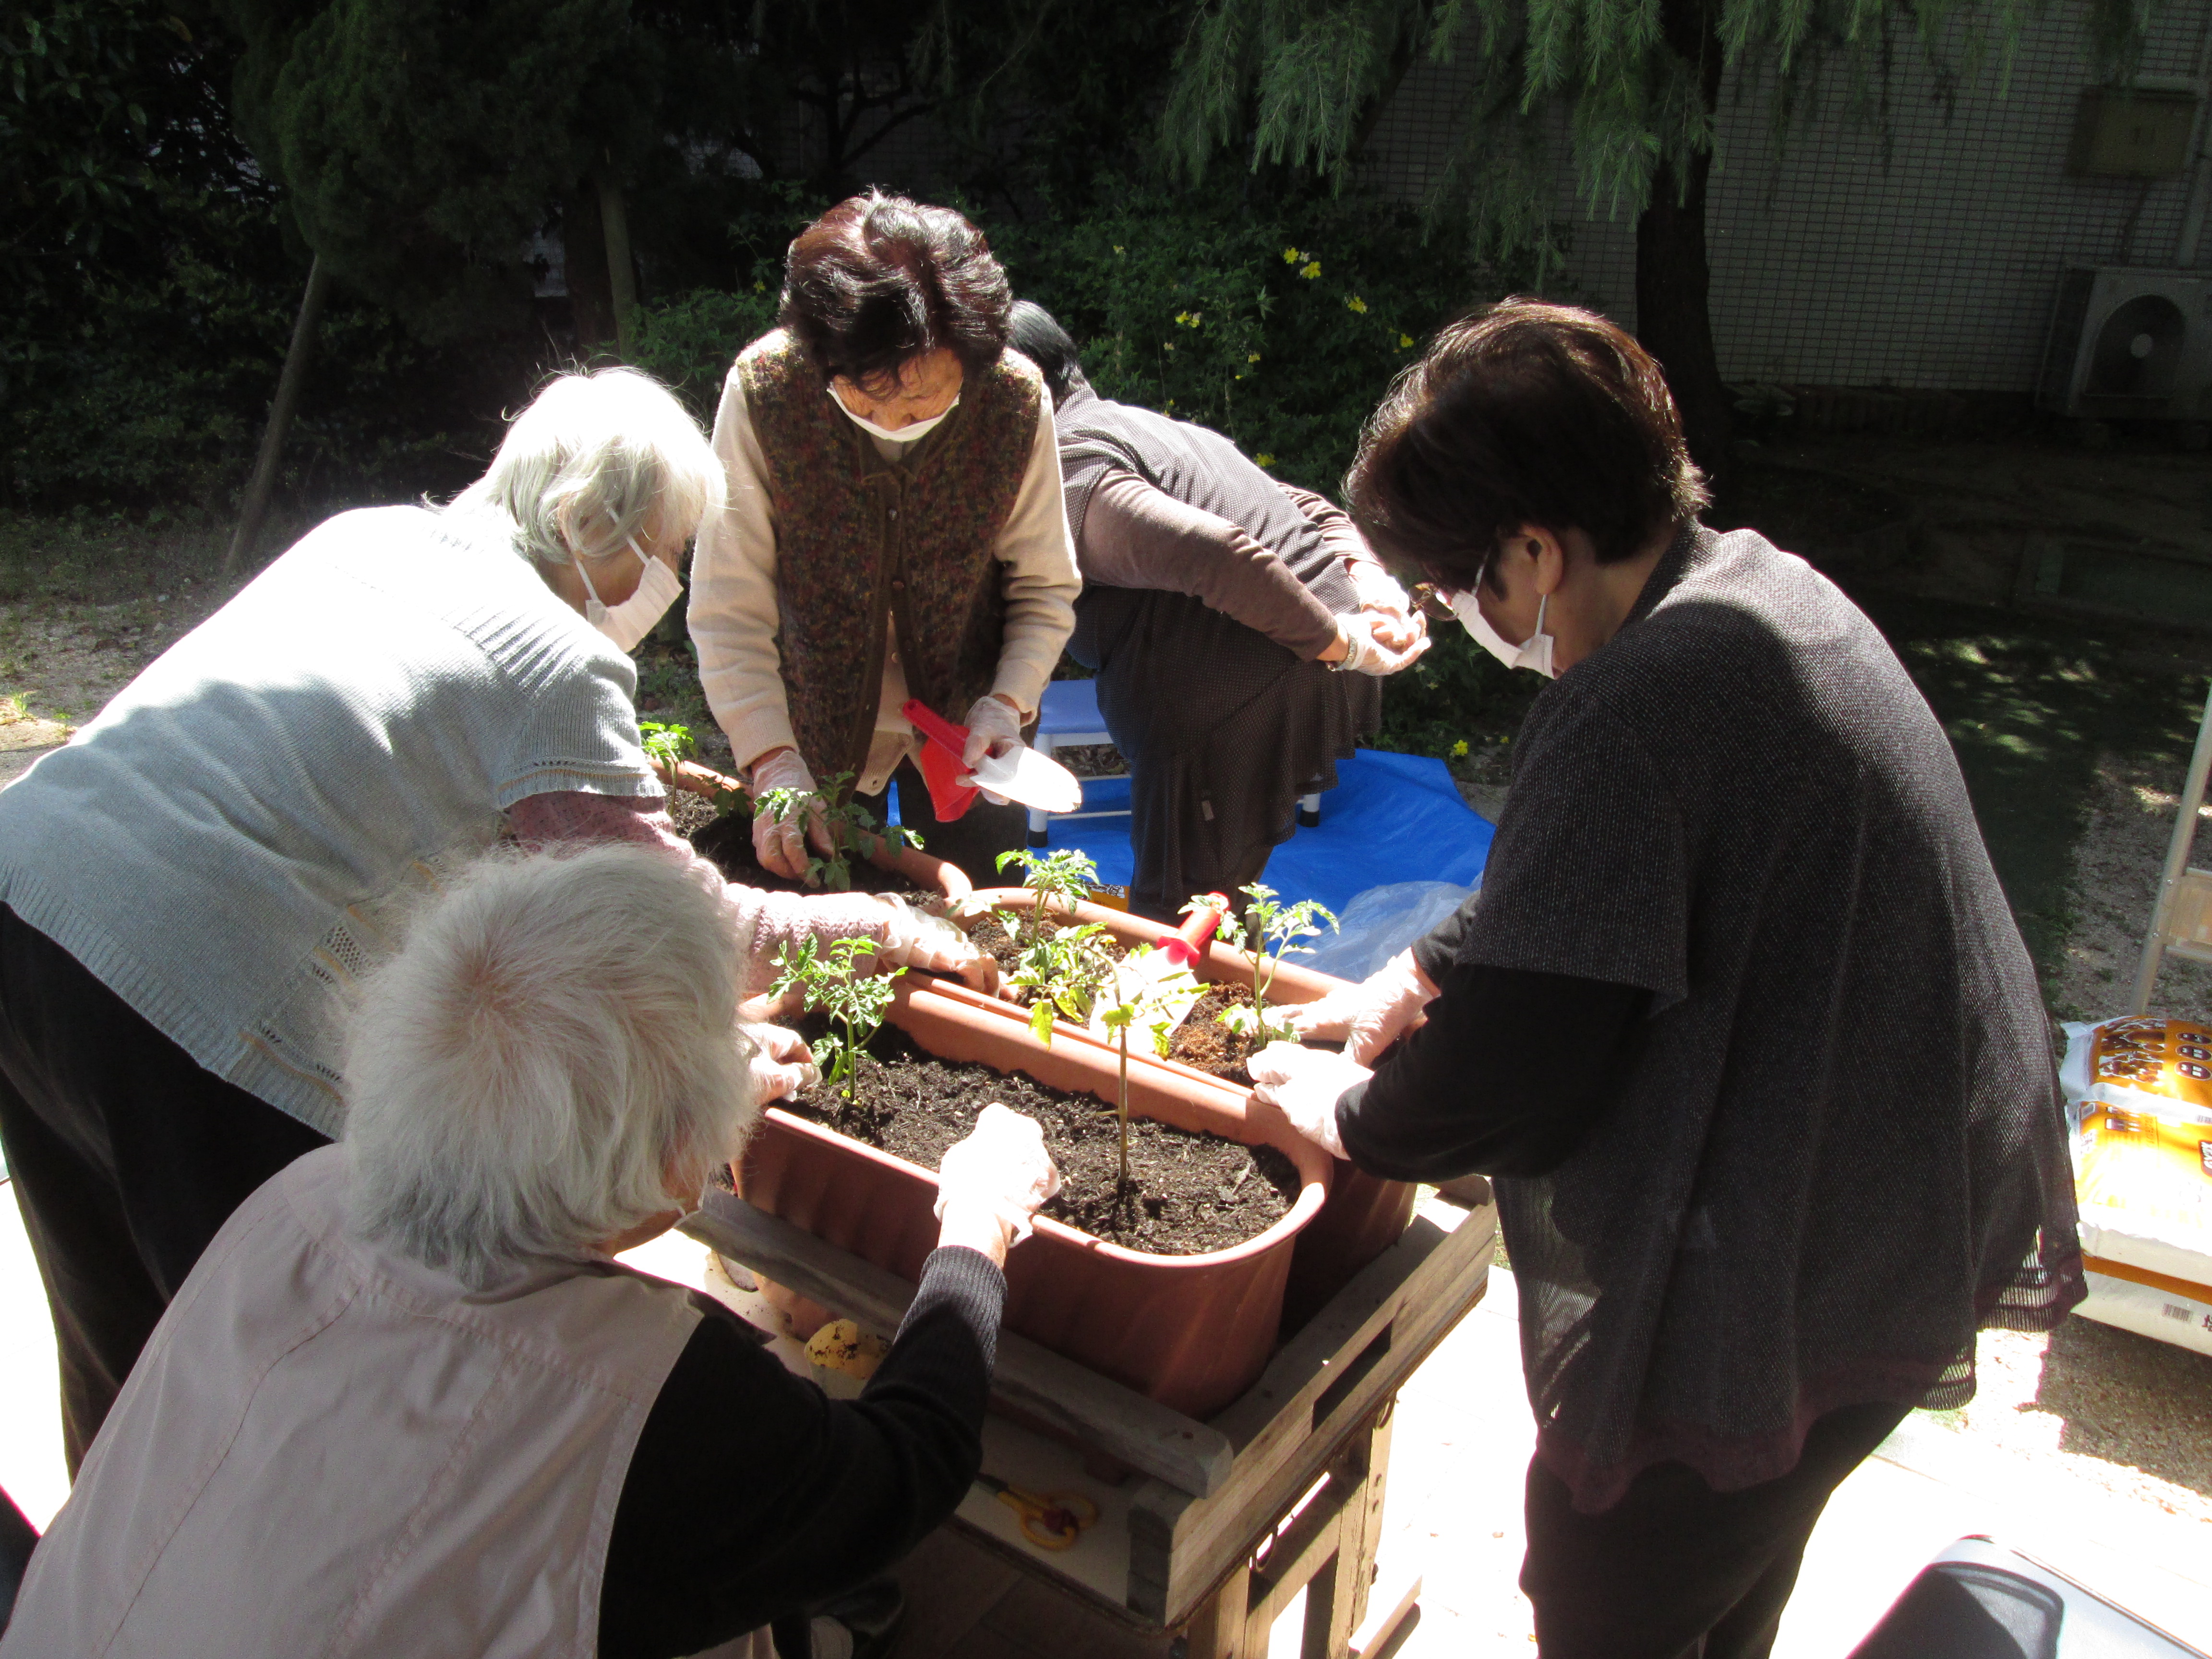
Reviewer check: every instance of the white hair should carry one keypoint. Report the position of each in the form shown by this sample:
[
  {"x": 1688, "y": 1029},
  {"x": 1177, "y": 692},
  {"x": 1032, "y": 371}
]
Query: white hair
[
  {"x": 554, "y": 1043},
  {"x": 597, "y": 458}
]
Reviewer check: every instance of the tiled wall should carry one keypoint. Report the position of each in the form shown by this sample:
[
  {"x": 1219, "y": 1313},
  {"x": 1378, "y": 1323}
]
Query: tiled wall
[{"x": 1830, "y": 268}]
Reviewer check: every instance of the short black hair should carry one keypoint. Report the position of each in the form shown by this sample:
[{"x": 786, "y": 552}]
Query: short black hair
[
  {"x": 1524, "y": 412},
  {"x": 879, "y": 281},
  {"x": 1036, "y": 334}
]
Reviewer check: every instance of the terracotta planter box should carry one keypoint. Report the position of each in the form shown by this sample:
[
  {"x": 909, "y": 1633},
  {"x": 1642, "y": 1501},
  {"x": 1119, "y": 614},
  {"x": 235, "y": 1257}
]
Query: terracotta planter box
[
  {"x": 1365, "y": 1215},
  {"x": 1193, "y": 1332}
]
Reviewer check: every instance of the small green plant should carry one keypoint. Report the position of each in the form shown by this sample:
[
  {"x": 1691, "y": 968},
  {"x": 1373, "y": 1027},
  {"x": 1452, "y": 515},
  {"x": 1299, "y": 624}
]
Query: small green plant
[
  {"x": 830, "y": 979},
  {"x": 667, "y": 742},
  {"x": 850, "y": 824},
  {"x": 1267, "y": 931},
  {"x": 1068, "y": 876},
  {"x": 1129, "y": 998},
  {"x": 1062, "y": 973}
]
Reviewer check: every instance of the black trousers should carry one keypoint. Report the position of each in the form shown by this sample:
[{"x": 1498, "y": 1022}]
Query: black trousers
[
  {"x": 1676, "y": 1570},
  {"x": 127, "y": 1157},
  {"x": 973, "y": 841}
]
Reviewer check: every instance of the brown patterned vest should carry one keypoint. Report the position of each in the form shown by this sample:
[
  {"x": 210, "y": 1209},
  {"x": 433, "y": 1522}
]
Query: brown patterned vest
[{"x": 859, "y": 537}]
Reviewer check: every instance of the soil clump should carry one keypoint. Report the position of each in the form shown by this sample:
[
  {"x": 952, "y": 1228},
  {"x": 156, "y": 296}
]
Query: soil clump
[{"x": 1189, "y": 1193}]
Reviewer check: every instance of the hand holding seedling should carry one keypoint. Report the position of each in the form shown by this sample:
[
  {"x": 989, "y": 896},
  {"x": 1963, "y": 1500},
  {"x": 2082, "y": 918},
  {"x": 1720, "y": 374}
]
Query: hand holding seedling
[
  {"x": 834, "y": 822},
  {"x": 780, "y": 836},
  {"x": 781, "y": 1064}
]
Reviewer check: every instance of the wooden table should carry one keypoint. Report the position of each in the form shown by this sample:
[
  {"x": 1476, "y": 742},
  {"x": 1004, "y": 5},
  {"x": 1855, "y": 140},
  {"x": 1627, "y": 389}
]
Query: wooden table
[{"x": 1224, "y": 1523}]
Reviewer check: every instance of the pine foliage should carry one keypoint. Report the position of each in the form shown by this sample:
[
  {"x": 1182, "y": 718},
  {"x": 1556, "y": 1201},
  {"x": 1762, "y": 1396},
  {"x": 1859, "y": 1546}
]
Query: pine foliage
[{"x": 1294, "y": 82}]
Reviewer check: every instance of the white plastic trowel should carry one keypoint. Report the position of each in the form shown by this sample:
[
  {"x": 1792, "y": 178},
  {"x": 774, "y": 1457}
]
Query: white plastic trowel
[
  {"x": 1026, "y": 777},
  {"x": 1161, "y": 977}
]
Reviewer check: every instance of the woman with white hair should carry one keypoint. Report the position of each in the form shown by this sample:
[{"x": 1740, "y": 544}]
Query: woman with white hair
[
  {"x": 189, "y": 888},
  {"x": 407, "y": 1403}
]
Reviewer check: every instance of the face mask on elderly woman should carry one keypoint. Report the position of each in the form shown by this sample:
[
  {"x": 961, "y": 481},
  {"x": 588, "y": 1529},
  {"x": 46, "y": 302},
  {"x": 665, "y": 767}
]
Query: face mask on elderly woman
[
  {"x": 633, "y": 619},
  {"x": 905, "y": 434},
  {"x": 1535, "y": 653}
]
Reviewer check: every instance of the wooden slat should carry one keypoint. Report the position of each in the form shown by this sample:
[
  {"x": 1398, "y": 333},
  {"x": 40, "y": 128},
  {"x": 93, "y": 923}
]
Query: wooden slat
[
  {"x": 1417, "y": 1291},
  {"x": 1179, "y": 1451}
]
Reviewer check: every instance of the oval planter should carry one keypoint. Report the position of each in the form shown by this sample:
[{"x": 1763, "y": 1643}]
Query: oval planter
[
  {"x": 1193, "y": 1332},
  {"x": 1365, "y": 1215}
]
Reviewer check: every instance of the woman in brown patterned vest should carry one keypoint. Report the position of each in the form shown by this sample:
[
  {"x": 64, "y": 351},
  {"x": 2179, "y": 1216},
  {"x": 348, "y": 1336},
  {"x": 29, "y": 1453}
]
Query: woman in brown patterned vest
[{"x": 894, "y": 527}]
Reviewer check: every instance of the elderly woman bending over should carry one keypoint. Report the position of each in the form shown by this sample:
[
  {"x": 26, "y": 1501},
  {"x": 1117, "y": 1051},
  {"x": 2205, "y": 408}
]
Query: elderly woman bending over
[
  {"x": 406, "y": 1403},
  {"x": 189, "y": 889}
]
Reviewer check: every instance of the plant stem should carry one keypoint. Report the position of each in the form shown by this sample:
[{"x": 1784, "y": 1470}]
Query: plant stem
[{"x": 1122, "y": 1184}]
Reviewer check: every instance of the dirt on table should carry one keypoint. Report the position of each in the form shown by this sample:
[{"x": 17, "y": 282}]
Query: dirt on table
[{"x": 1189, "y": 1193}]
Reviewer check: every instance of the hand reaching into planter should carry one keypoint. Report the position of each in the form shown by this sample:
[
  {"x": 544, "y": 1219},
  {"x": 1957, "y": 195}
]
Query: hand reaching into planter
[
  {"x": 1304, "y": 1085},
  {"x": 780, "y": 843},
  {"x": 1002, "y": 1172},
  {"x": 781, "y": 1063},
  {"x": 1370, "y": 1016},
  {"x": 914, "y": 939}
]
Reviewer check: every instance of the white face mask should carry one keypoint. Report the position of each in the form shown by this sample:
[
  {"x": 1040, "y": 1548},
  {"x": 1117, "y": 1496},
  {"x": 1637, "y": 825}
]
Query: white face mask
[
  {"x": 906, "y": 435},
  {"x": 633, "y": 619},
  {"x": 1536, "y": 654}
]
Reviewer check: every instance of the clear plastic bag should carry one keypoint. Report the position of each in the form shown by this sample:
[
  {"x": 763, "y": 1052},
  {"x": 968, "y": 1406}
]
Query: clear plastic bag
[{"x": 1381, "y": 922}]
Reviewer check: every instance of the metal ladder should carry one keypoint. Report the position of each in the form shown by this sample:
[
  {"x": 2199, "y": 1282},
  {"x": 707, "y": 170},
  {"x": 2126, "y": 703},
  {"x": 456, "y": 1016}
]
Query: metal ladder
[{"x": 2181, "y": 921}]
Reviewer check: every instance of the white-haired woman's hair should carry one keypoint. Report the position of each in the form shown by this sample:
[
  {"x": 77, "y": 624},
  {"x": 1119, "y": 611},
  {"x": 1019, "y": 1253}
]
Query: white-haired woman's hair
[
  {"x": 554, "y": 1042},
  {"x": 595, "y": 459}
]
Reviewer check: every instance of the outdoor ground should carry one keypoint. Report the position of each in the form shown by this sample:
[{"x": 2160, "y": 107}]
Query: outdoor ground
[{"x": 2093, "y": 1447}]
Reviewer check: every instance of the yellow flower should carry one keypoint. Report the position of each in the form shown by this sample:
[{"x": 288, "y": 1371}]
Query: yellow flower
[
  {"x": 1311, "y": 270},
  {"x": 1117, "y": 250},
  {"x": 1291, "y": 256},
  {"x": 1355, "y": 303},
  {"x": 1264, "y": 459},
  {"x": 1171, "y": 403},
  {"x": 759, "y": 287},
  {"x": 1254, "y": 358},
  {"x": 1168, "y": 345},
  {"x": 1405, "y": 340},
  {"x": 1459, "y": 750}
]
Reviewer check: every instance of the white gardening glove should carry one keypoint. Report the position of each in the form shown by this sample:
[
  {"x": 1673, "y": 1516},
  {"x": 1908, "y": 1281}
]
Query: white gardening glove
[
  {"x": 994, "y": 727},
  {"x": 1397, "y": 624},
  {"x": 781, "y": 1063},
  {"x": 1370, "y": 1016},
  {"x": 914, "y": 939},
  {"x": 1305, "y": 1085},
  {"x": 1002, "y": 1167},
  {"x": 1365, "y": 651},
  {"x": 780, "y": 844}
]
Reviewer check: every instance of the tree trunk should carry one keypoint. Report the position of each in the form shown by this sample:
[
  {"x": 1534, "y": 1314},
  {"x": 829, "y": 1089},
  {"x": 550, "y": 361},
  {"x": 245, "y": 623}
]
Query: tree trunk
[
  {"x": 584, "y": 258},
  {"x": 622, "y": 275},
  {"x": 255, "y": 509},
  {"x": 1673, "y": 279}
]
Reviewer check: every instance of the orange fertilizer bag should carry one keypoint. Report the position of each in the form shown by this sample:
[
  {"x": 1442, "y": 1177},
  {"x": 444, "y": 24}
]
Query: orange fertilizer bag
[{"x": 2139, "y": 1097}]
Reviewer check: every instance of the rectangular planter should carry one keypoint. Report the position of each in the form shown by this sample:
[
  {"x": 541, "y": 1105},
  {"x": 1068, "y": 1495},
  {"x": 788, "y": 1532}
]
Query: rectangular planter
[
  {"x": 1192, "y": 1332},
  {"x": 1365, "y": 1215}
]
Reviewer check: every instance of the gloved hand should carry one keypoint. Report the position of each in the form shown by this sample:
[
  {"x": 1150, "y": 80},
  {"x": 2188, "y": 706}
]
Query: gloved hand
[
  {"x": 914, "y": 939},
  {"x": 1397, "y": 624},
  {"x": 1370, "y": 1016},
  {"x": 780, "y": 844},
  {"x": 1365, "y": 650},
  {"x": 1001, "y": 1167},
  {"x": 781, "y": 1063},
  {"x": 1304, "y": 1084},
  {"x": 994, "y": 727}
]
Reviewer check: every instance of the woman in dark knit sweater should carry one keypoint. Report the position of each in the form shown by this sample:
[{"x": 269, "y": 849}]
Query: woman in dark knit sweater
[
  {"x": 1740, "y": 1020},
  {"x": 1219, "y": 609}
]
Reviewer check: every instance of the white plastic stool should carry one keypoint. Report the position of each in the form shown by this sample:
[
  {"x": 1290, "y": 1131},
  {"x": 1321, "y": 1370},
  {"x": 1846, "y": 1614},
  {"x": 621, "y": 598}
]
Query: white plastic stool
[{"x": 1068, "y": 717}]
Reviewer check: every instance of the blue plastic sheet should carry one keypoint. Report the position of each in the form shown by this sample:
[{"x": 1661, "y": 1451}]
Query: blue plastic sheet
[{"x": 1391, "y": 818}]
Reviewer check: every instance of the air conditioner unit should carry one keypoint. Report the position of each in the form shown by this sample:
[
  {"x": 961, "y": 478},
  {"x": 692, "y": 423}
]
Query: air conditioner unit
[{"x": 2130, "y": 345}]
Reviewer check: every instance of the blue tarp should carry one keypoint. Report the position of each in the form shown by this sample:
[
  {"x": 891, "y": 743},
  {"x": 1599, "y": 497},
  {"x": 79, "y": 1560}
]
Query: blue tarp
[{"x": 1390, "y": 819}]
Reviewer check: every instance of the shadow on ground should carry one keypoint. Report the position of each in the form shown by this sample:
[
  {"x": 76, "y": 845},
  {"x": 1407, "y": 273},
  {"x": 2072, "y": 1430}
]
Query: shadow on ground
[{"x": 2099, "y": 1380}]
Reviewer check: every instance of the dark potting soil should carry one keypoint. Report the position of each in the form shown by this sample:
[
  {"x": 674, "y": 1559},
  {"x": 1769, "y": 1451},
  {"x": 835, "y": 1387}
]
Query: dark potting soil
[
  {"x": 1201, "y": 1040},
  {"x": 1189, "y": 1193}
]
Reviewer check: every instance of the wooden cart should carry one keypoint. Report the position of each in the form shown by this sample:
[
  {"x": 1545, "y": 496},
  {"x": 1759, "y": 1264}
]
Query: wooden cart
[{"x": 1224, "y": 1523}]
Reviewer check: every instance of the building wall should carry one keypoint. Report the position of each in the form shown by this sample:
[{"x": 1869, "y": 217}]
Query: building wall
[{"x": 1925, "y": 259}]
